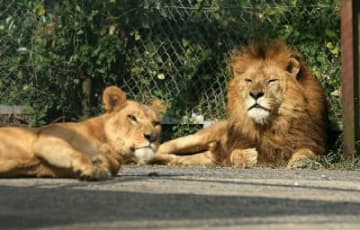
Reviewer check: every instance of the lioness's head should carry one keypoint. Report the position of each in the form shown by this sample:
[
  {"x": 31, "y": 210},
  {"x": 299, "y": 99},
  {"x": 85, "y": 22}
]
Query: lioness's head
[
  {"x": 262, "y": 74},
  {"x": 133, "y": 129}
]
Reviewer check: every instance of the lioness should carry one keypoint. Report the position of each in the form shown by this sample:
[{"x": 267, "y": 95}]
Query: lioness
[
  {"x": 277, "y": 114},
  {"x": 92, "y": 149}
]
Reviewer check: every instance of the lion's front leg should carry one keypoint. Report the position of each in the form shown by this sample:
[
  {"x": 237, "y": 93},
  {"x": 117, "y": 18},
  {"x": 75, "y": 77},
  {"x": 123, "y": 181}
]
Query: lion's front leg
[
  {"x": 203, "y": 159},
  {"x": 194, "y": 143},
  {"x": 184, "y": 145},
  {"x": 60, "y": 154},
  {"x": 301, "y": 158}
]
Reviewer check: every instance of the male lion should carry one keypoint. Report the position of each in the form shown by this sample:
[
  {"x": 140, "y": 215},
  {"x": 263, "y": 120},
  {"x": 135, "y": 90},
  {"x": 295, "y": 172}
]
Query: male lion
[
  {"x": 92, "y": 149},
  {"x": 277, "y": 114}
]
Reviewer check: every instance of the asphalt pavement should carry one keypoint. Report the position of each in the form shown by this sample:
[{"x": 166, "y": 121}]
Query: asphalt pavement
[{"x": 162, "y": 197}]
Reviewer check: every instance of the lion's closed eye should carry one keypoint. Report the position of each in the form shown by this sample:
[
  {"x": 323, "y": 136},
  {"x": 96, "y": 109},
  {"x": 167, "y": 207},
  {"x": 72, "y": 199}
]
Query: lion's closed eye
[
  {"x": 273, "y": 81},
  {"x": 248, "y": 80}
]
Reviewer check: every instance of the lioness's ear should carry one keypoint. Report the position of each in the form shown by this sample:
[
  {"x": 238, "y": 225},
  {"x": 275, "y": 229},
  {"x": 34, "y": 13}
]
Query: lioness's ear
[
  {"x": 157, "y": 105},
  {"x": 293, "y": 66},
  {"x": 113, "y": 99}
]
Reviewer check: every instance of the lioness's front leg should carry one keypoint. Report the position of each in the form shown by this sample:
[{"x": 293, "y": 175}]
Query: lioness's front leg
[
  {"x": 301, "y": 158},
  {"x": 59, "y": 153},
  {"x": 108, "y": 159}
]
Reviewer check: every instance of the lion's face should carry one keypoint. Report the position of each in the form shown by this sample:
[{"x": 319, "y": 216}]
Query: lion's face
[
  {"x": 133, "y": 129},
  {"x": 259, "y": 88}
]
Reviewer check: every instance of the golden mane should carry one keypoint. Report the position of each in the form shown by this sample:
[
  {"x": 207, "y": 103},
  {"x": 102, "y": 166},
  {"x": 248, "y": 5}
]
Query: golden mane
[{"x": 277, "y": 51}]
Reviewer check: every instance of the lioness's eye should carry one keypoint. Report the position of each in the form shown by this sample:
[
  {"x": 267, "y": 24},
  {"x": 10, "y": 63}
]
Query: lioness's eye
[
  {"x": 132, "y": 118},
  {"x": 156, "y": 123},
  {"x": 272, "y": 81},
  {"x": 248, "y": 80}
]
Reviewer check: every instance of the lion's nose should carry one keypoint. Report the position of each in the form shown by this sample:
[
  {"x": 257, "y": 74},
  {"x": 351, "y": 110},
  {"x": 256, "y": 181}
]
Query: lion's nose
[
  {"x": 256, "y": 94},
  {"x": 150, "y": 137}
]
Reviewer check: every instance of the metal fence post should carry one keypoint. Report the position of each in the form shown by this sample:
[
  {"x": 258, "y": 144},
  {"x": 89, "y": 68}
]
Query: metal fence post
[{"x": 350, "y": 17}]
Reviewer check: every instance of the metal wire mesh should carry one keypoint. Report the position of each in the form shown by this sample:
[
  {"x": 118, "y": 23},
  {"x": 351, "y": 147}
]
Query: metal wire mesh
[
  {"x": 180, "y": 53},
  {"x": 185, "y": 35}
]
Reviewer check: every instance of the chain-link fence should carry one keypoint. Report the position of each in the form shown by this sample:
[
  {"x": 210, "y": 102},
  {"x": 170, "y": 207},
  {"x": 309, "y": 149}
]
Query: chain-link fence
[
  {"x": 175, "y": 50},
  {"x": 188, "y": 49}
]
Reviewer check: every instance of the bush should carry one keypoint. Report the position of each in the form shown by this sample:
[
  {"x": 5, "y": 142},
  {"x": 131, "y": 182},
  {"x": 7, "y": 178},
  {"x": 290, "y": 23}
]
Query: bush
[{"x": 57, "y": 56}]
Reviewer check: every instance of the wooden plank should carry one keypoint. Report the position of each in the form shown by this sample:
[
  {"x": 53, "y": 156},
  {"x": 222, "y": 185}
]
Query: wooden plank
[
  {"x": 349, "y": 40},
  {"x": 15, "y": 109}
]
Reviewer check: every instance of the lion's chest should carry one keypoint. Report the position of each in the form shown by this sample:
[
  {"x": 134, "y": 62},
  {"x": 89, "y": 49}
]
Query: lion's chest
[{"x": 275, "y": 145}]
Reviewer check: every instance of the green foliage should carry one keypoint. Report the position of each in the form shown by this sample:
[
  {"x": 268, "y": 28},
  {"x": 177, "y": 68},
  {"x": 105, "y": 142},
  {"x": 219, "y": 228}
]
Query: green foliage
[
  {"x": 335, "y": 161},
  {"x": 175, "y": 50},
  {"x": 47, "y": 55}
]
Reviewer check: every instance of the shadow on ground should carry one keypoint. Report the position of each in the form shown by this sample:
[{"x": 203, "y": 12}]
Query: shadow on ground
[{"x": 36, "y": 206}]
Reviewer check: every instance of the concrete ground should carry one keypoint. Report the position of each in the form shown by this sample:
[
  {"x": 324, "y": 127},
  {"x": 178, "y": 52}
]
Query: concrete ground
[{"x": 160, "y": 197}]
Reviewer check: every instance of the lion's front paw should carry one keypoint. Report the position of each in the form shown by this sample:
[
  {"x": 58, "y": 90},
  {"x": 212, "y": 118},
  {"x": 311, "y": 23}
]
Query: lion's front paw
[
  {"x": 178, "y": 160},
  {"x": 244, "y": 158},
  {"x": 300, "y": 164},
  {"x": 163, "y": 159},
  {"x": 302, "y": 158},
  {"x": 203, "y": 159}
]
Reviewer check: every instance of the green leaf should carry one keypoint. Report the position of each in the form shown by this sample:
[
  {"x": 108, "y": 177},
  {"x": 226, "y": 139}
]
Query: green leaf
[
  {"x": 39, "y": 10},
  {"x": 161, "y": 76}
]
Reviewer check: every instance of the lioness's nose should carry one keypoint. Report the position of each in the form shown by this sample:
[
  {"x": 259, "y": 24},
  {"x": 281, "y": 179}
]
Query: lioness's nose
[
  {"x": 256, "y": 94},
  {"x": 150, "y": 137}
]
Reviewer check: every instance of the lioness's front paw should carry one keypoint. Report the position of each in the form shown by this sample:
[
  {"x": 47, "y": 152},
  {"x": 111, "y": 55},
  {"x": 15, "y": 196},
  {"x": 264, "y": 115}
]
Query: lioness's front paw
[
  {"x": 244, "y": 158},
  {"x": 101, "y": 174},
  {"x": 96, "y": 173}
]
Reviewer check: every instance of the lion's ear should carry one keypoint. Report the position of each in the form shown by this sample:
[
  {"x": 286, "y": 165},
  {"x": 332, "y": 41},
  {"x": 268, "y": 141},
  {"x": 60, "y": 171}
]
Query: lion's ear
[
  {"x": 113, "y": 99},
  {"x": 293, "y": 66},
  {"x": 158, "y": 105}
]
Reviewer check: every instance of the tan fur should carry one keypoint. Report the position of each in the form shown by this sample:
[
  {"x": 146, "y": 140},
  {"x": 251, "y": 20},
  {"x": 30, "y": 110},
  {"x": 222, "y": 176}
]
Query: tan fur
[
  {"x": 276, "y": 107},
  {"x": 92, "y": 149}
]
